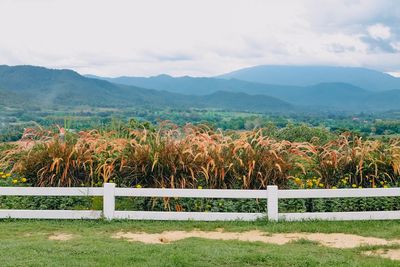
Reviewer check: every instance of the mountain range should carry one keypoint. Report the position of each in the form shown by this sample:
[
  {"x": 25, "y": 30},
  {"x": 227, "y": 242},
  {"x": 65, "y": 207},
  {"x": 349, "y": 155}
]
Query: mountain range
[
  {"x": 312, "y": 87},
  {"x": 256, "y": 89},
  {"x": 31, "y": 86}
]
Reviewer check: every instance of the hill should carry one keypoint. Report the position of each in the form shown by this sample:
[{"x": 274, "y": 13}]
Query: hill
[
  {"x": 310, "y": 75},
  {"x": 51, "y": 88},
  {"x": 334, "y": 95}
]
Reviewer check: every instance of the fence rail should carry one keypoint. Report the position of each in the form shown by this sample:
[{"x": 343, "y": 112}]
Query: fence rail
[{"x": 272, "y": 194}]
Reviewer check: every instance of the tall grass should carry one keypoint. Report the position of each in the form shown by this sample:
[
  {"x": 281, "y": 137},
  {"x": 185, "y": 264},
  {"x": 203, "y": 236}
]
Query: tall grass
[{"x": 194, "y": 156}]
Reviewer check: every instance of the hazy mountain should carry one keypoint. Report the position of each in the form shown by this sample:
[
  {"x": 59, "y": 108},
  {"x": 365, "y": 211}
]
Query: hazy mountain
[
  {"x": 337, "y": 96},
  {"x": 245, "y": 102},
  {"x": 310, "y": 75},
  {"x": 189, "y": 85},
  {"x": 65, "y": 87},
  {"x": 38, "y": 86}
]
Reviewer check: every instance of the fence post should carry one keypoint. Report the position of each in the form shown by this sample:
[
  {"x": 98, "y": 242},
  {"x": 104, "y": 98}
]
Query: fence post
[
  {"x": 272, "y": 203},
  {"x": 109, "y": 201}
]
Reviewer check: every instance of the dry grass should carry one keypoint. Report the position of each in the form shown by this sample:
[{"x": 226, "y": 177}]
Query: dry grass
[{"x": 194, "y": 156}]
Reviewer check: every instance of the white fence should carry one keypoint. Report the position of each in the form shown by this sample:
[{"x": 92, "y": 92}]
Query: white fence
[{"x": 272, "y": 194}]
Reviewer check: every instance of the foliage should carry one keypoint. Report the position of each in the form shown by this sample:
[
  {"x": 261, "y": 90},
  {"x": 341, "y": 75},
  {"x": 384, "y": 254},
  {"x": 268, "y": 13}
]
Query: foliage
[
  {"x": 28, "y": 239},
  {"x": 192, "y": 156}
]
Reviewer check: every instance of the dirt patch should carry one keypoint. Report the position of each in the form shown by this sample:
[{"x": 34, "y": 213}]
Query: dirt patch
[
  {"x": 61, "y": 237},
  {"x": 393, "y": 254},
  {"x": 338, "y": 240},
  {"x": 335, "y": 240}
]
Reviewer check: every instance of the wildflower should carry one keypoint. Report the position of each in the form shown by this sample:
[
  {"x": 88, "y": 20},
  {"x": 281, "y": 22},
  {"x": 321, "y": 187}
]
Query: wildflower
[
  {"x": 334, "y": 187},
  {"x": 1, "y": 173},
  {"x": 385, "y": 186},
  {"x": 199, "y": 187},
  {"x": 3, "y": 176},
  {"x": 360, "y": 186},
  {"x": 354, "y": 185},
  {"x": 8, "y": 174},
  {"x": 138, "y": 186},
  {"x": 14, "y": 181},
  {"x": 23, "y": 180},
  {"x": 298, "y": 181},
  {"x": 321, "y": 185},
  {"x": 309, "y": 183}
]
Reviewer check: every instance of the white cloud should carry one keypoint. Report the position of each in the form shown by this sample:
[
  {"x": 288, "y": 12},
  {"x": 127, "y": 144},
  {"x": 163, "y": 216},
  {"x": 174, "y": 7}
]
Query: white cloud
[
  {"x": 379, "y": 31},
  {"x": 188, "y": 37}
]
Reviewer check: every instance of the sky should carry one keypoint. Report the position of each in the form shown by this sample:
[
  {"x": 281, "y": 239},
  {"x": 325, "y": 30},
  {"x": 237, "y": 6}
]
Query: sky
[{"x": 198, "y": 38}]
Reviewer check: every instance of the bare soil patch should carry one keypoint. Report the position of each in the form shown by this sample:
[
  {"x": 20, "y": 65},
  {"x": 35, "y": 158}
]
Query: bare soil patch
[
  {"x": 393, "y": 254},
  {"x": 334, "y": 240},
  {"x": 61, "y": 237}
]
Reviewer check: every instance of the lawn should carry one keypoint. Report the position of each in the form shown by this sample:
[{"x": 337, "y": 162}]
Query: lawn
[{"x": 26, "y": 243}]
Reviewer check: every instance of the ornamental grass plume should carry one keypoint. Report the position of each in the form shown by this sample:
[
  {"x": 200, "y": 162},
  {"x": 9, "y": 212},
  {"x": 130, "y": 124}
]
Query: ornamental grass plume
[{"x": 199, "y": 157}]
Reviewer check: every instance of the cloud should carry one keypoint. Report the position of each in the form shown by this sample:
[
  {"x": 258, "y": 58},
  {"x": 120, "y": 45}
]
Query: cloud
[
  {"x": 379, "y": 31},
  {"x": 188, "y": 37},
  {"x": 379, "y": 45}
]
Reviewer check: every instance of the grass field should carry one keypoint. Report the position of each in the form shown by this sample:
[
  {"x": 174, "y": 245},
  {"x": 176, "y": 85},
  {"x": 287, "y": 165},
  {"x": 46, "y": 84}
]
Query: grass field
[{"x": 26, "y": 243}]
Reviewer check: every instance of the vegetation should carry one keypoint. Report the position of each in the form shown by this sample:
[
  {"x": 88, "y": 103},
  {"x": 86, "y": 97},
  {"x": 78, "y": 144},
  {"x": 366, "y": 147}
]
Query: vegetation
[
  {"x": 193, "y": 156},
  {"x": 25, "y": 242}
]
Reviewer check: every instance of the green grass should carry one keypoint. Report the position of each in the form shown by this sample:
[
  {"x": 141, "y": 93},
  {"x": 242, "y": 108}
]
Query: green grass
[{"x": 25, "y": 243}]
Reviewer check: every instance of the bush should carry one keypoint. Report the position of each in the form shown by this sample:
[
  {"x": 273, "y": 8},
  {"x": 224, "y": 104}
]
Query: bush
[{"x": 193, "y": 156}]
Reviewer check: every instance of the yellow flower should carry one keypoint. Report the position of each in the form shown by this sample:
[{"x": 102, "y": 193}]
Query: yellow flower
[
  {"x": 385, "y": 186},
  {"x": 298, "y": 181},
  {"x": 138, "y": 186},
  {"x": 321, "y": 185},
  {"x": 334, "y": 187},
  {"x": 3, "y": 176},
  {"x": 354, "y": 185},
  {"x": 199, "y": 187},
  {"x": 309, "y": 184},
  {"x": 14, "y": 181},
  {"x": 1, "y": 173},
  {"x": 8, "y": 174},
  {"x": 23, "y": 180}
]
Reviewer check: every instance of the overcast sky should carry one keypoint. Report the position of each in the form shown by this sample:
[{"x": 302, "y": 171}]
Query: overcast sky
[{"x": 201, "y": 38}]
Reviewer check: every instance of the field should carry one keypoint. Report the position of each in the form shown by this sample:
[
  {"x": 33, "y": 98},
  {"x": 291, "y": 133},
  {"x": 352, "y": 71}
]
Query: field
[
  {"x": 199, "y": 156},
  {"x": 28, "y": 243}
]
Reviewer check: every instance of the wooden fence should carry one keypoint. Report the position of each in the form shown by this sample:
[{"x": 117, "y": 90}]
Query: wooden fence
[{"x": 272, "y": 194}]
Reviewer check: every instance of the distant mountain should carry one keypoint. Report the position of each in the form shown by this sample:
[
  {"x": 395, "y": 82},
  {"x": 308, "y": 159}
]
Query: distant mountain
[
  {"x": 29, "y": 86},
  {"x": 310, "y": 75},
  {"x": 49, "y": 87},
  {"x": 193, "y": 85},
  {"x": 245, "y": 102},
  {"x": 335, "y": 96}
]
